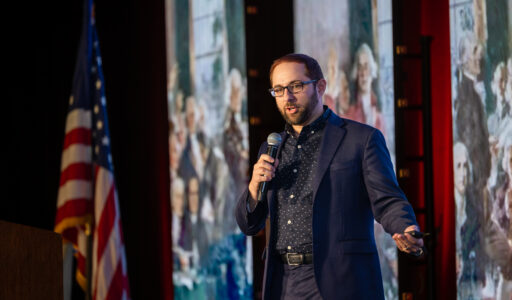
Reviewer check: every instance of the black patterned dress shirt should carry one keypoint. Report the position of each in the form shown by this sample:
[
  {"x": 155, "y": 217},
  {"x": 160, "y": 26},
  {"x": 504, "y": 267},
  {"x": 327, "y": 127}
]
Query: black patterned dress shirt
[{"x": 293, "y": 227}]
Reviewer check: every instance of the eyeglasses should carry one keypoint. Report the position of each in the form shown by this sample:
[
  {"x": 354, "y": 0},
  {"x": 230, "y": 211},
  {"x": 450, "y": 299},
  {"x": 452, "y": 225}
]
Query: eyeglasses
[{"x": 294, "y": 88}]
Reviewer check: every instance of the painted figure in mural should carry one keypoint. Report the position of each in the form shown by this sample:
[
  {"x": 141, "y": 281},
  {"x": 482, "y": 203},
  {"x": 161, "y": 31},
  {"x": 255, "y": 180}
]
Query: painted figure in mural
[
  {"x": 195, "y": 241},
  {"x": 175, "y": 150},
  {"x": 331, "y": 178},
  {"x": 215, "y": 181},
  {"x": 365, "y": 107},
  {"x": 192, "y": 150},
  {"x": 471, "y": 130},
  {"x": 235, "y": 146},
  {"x": 178, "y": 210},
  {"x": 498, "y": 86},
  {"x": 498, "y": 237},
  {"x": 497, "y": 124},
  {"x": 343, "y": 99},
  {"x": 333, "y": 89},
  {"x": 462, "y": 176},
  {"x": 499, "y": 234}
]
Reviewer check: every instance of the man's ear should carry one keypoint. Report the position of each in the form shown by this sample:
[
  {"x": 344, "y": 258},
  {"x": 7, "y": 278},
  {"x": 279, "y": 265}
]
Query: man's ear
[{"x": 321, "y": 85}]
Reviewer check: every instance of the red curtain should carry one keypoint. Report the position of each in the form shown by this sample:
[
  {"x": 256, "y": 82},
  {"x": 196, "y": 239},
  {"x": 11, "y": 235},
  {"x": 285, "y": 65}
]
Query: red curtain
[{"x": 436, "y": 23}]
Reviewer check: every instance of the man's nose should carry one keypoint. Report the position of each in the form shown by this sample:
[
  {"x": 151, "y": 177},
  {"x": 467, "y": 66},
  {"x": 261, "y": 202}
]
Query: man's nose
[{"x": 288, "y": 95}]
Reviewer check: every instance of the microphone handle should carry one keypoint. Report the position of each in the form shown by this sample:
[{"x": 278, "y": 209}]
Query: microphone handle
[{"x": 263, "y": 188}]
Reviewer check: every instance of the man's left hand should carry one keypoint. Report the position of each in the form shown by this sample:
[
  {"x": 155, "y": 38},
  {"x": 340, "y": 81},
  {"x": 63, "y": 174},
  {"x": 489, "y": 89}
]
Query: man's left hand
[{"x": 406, "y": 242}]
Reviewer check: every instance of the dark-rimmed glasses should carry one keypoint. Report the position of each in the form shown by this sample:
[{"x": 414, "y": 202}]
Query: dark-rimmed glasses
[{"x": 294, "y": 88}]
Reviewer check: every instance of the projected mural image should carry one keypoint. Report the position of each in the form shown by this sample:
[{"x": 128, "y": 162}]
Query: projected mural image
[
  {"x": 208, "y": 145},
  {"x": 481, "y": 39},
  {"x": 357, "y": 58}
]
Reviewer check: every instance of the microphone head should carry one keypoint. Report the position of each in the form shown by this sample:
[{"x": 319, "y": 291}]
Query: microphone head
[{"x": 274, "y": 139}]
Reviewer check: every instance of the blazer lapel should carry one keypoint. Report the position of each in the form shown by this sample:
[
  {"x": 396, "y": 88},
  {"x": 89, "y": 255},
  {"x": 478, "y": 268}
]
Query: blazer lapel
[{"x": 333, "y": 135}]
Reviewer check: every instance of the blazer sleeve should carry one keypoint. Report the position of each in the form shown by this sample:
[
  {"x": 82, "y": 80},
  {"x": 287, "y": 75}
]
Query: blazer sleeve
[
  {"x": 389, "y": 205},
  {"x": 251, "y": 222}
]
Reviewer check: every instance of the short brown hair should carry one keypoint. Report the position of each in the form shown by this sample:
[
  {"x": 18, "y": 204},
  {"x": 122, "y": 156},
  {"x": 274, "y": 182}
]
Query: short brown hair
[{"x": 313, "y": 70}]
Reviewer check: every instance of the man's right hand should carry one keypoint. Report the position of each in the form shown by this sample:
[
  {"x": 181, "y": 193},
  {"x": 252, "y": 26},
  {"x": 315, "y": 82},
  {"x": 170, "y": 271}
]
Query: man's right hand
[{"x": 263, "y": 171}]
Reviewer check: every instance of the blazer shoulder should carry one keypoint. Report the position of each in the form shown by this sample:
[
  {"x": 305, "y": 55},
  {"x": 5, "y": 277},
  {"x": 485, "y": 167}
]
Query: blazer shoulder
[{"x": 351, "y": 125}]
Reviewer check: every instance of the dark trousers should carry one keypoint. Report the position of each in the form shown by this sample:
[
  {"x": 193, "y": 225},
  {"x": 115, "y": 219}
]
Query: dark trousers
[{"x": 294, "y": 283}]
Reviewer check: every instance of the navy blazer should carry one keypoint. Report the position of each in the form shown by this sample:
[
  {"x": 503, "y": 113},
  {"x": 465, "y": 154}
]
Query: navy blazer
[{"x": 354, "y": 183}]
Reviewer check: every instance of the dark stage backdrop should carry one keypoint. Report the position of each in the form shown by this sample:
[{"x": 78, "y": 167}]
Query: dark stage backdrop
[
  {"x": 132, "y": 40},
  {"x": 434, "y": 20}
]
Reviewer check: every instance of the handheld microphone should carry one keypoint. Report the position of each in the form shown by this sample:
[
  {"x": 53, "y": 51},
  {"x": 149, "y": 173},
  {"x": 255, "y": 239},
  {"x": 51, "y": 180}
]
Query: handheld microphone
[{"x": 273, "y": 141}]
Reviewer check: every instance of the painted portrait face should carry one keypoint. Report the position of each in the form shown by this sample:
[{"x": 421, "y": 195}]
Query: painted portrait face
[
  {"x": 174, "y": 151},
  {"x": 503, "y": 81},
  {"x": 235, "y": 100},
  {"x": 507, "y": 160},
  {"x": 177, "y": 199},
  {"x": 343, "y": 100},
  {"x": 460, "y": 169},
  {"x": 190, "y": 114},
  {"x": 193, "y": 195},
  {"x": 296, "y": 109},
  {"x": 364, "y": 74},
  {"x": 475, "y": 59},
  {"x": 508, "y": 85}
]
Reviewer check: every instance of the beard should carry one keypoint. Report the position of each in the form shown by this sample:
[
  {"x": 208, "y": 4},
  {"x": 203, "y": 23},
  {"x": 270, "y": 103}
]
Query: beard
[{"x": 302, "y": 114}]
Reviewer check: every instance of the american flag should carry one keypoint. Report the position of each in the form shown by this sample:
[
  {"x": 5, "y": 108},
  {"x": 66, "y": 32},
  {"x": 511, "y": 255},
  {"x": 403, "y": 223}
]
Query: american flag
[{"x": 87, "y": 198}]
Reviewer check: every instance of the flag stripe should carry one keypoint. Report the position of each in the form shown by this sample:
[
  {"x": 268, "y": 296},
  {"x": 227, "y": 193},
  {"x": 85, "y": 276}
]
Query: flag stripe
[
  {"x": 76, "y": 171},
  {"x": 77, "y": 136},
  {"x": 109, "y": 259},
  {"x": 78, "y": 118},
  {"x": 76, "y": 153},
  {"x": 105, "y": 224},
  {"x": 69, "y": 234},
  {"x": 75, "y": 207},
  {"x": 104, "y": 183},
  {"x": 80, "y": 262},
  {"x": 116, "y": 288},
  {"x": 74, "y": 189}
]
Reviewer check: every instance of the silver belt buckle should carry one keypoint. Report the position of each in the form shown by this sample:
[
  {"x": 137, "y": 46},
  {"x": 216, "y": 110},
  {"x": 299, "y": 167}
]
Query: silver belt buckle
[{"x": 293, "y": 264}]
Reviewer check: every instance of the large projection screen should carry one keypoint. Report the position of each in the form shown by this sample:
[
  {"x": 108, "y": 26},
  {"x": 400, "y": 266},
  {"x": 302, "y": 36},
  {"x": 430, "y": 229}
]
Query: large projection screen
[
  {"x": 208, "y": 142},
  {"x": 353, "y": 42},
  {"x": 481, "y": 74}
]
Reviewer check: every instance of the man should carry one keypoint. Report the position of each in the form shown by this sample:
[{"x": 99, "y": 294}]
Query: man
[{"x": 330, "y": 179}]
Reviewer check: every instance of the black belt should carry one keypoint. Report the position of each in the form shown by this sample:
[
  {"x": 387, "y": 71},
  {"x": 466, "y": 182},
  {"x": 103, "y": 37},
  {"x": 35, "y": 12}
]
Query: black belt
[{"x": 295, "y": 259}]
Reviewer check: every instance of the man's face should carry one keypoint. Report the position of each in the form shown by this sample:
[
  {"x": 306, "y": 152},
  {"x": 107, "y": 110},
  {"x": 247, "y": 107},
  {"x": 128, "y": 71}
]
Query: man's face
[
  {"x": 461, "y": 171},
  {"x": 296, "y": 109},
  {"x": 364, "y": 76}
]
